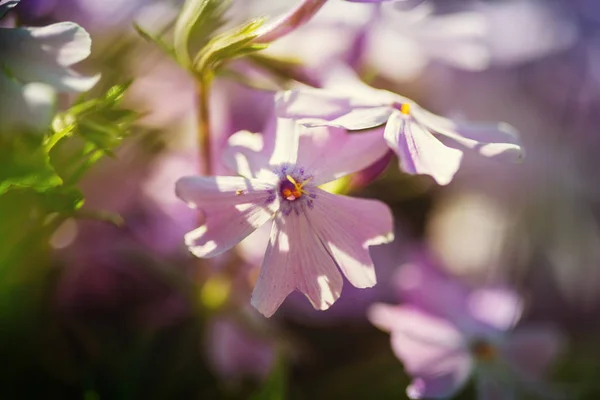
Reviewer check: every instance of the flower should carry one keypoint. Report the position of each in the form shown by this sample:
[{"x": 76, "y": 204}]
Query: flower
[
  {"x": 313, "y": 231},
  {"x": 446, "y": 334},
  {"x": 35, "y": 61},
  {"x": 424, "y": 142}
]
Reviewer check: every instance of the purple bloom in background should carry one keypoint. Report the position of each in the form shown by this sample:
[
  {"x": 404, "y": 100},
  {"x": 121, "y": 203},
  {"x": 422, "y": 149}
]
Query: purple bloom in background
[
  {"x": 424, "y": 142},
  {"x": 235, "y": 352},
  {"x": 446, "y": 334},
  {"x": 314, "y": 232}
]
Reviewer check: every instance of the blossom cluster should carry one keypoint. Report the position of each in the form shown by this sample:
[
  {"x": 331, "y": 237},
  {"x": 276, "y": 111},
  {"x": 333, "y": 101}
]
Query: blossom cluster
[{"x": 302, "y": 163}]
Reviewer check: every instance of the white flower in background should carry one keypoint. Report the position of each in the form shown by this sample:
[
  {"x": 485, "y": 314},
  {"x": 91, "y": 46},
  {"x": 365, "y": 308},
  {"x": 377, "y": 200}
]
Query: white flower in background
[
  {"x": 35, "y": 62},
  {"x": 396, "y": 40}
]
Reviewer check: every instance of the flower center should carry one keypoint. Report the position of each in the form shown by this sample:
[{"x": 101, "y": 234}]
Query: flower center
[
  {"x": 483, "y": 350},
  {"x": 405, "y": 108},
  {"x": 290, "y": 189}
]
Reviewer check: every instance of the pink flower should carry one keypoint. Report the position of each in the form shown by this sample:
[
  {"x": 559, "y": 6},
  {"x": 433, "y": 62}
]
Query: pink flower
[
  {"x": 313, "y": 232},
  {"x": 447, "y": 334},
  {"x": 424, "y": 142}
]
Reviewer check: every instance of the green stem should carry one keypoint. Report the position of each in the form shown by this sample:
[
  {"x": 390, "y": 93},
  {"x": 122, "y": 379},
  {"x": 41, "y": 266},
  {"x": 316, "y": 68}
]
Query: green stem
[{"x": 204, "y": 140}]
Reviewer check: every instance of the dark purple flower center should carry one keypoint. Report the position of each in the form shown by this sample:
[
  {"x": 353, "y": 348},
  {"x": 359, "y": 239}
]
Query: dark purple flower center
[{"x": 483, "y": 350}]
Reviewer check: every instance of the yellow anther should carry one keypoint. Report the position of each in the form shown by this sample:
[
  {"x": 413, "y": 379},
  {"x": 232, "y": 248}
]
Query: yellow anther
[{"x": 405, "y": 108}]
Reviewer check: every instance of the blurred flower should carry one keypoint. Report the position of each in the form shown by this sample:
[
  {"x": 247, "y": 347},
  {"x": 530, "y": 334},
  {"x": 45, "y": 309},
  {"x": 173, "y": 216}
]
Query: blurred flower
[
  {"x": 235, "y": 352},
  {"x": 425, "y": 143},
  {"x": 313, "y": 231},
  {"x": 34, "y": 62},
  {"x": 446, "y": 333},
  {"x": 397, "y": 40}
]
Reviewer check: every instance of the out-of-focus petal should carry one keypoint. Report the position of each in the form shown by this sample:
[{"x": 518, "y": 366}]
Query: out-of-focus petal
[
  {"x": 531, "y": 350},
  {"x": 497, "y": 307},
  {"x": 330, "y": 153},
  {"x": 25, "y": 107},
  {"x": 231, "y": 209},
  {"x": 493, "y": 386},
  {"x": 296, "y": 259},
  {"x": 419, "y": 151},
  {"x": 7, "y": 6},
  {"x": 347, "y": 227},
  {"x": 431, "y": 349},
  {"x": 499, "y": 141},
  {"x": 44, "y": 55}
]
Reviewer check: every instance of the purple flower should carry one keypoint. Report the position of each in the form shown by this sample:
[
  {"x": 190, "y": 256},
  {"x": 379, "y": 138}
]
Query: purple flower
[
  {"x": 447, "y": 334},
  {"x": 313, "y": 232},
  {"x": 235, "y": 351},
  {"x": 424, "y": 142}
]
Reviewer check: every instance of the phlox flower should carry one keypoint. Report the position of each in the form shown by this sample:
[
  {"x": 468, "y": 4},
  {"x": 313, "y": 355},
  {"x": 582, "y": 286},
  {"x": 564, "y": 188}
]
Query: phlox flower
[
  {"x": 34, "y": 63},
  {"x": 313, "y": 232},
  {"x": 445, "y": 334},
  {"x": 424, "y": 142}
]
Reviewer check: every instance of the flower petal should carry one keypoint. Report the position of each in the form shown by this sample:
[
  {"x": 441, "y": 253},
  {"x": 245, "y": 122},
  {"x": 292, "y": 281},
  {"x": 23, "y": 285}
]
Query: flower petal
[
  {"x": 44, "y": 55},
  {"x": 497, "y": 307},
  {"x": 286, "y": 139},
  {"x": 530, "y": 350},
  {"x": 420, "y": 152},
  {"x": 330, "y": 153},
  {"x": 245, "y": 154},
  {"x": 347, "y": 227},
  {"x": 25, "y": 107},
  {"x": 498, "y": 141},
  {"x": 295, "y": 259},
  {"x": 7, "y": 6},
  {"x": 310, "y": 103},
  {"x": 431, "y": 349},
  {"x": 232, "y": 208},
  {"x": 345, "y": 102}
]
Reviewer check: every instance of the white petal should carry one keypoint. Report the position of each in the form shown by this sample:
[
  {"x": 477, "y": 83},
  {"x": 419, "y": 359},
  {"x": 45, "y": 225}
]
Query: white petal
[
  {"x": 231, "y": 209},
  {"x": 44, "y": 55},
  {"x": 419, "y": 151},
  {"x": 347, "y": 227},
  {"x": 330, "y": 153},
  {"x": 25, "y": 107},
  {"x": 499, "y": 141},
  {"x": 296, "y": 259}
]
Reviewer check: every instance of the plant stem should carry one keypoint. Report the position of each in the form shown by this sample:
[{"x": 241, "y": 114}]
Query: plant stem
[{"x": 204, "y": 139}]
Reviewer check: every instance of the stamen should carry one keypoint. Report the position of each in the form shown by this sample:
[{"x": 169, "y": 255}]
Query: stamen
[
  {"x": 483, "y": 351},
  {"x": 405, "y": 108},
  {"x": 292, "y": 190}
]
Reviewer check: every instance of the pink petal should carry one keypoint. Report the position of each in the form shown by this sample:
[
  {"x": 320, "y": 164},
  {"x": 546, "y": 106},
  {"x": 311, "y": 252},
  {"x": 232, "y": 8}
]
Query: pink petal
[
  {"x": 497, "y": 307},
  {"x": 310, "y": 103},
  {"x": 499, "y": 141},
  {"x": 232, "y": 208},
  {"x": 531, "y": 350},
  {"x": 296, "y": 259},
  {"x": 330, "y": 153},
  {"x": 431, "y": 349},
  {"x": 492, "y": 385},
  {"x": 420, "y": 152},
  {"x": 246, "y": 154},
  {"x": 347, "y": 227},
  {"x": 286, "y": 139}
]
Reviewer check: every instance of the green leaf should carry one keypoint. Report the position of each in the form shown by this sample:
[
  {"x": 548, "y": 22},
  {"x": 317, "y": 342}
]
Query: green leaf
[
  {"x": 196, "y": 25},
  {"x": 232, "y": 44},
  {"x": 24, "y": 163}
]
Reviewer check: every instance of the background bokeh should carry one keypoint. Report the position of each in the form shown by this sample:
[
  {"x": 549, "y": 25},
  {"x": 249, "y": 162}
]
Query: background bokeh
[{"x": 124, "y": 311}]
